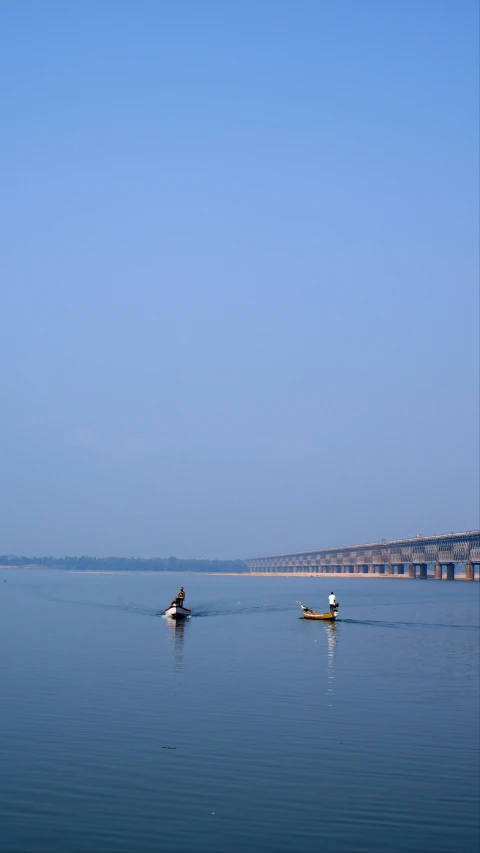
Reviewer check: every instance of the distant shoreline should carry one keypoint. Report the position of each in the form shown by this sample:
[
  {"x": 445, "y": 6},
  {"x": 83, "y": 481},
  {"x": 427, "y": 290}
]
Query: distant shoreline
[{"x": 324, "y": 575}]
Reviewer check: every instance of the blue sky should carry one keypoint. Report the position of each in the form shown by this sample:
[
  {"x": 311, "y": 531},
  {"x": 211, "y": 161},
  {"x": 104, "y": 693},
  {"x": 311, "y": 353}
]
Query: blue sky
[{"x": 239, "y": 276}]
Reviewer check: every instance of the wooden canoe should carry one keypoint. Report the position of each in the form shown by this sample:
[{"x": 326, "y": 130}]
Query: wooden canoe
[{"x": 307, "y": 613}]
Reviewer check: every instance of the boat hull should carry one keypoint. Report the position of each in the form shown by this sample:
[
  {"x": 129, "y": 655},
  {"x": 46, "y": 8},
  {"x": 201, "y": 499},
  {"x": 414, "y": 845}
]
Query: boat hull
[
  {"x": 328, "y": 617},
  {"x": 307, "y": 613},
  {"x": 176, "y": 611}
]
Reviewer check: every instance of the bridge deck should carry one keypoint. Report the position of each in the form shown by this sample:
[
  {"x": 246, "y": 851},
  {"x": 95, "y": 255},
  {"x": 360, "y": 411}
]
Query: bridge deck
[{"x": 448, "y": 549}]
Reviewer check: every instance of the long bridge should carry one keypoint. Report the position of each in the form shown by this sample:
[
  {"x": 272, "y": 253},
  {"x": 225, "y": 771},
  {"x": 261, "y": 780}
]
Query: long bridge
[{"x": 382, "y": 558}]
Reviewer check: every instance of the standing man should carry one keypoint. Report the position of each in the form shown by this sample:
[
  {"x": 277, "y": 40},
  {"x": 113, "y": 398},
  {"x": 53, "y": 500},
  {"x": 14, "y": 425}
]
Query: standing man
[
  {"x": 332, "y": 602},
  {"x": 181, "y": 596}
]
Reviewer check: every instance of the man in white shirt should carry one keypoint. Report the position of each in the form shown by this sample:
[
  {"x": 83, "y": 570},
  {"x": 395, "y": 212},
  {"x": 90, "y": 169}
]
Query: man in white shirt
[{"x": 332, "y": 602}]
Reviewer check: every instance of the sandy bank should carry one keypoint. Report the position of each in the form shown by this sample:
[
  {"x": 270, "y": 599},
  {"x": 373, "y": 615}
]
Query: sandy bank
[{"x": 323, "y": 576}]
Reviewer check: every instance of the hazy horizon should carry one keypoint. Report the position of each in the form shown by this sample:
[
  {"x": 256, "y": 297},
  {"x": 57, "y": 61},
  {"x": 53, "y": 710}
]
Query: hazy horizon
[
  {"x": 240, "y": 276},
  {"x": 213, "y": 559}
]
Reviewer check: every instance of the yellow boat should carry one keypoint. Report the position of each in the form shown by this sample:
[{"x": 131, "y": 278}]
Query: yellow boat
[{"x": 307, "y": 613}]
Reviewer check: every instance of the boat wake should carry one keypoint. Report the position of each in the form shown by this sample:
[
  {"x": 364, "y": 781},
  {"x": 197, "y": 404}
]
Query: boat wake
[
  {"x": 203, "y": 611},
  {"x": 239, "y": 609},
  {"x": 381, "y": 623},
  {"x": 127, "y": 607}
]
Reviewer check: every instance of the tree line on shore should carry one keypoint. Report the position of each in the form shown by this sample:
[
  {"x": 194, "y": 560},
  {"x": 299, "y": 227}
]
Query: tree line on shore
[{"x": 130, "y": 564}]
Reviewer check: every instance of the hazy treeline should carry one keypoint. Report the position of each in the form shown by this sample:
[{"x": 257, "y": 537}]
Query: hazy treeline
[{"x": 151, "y": 564}]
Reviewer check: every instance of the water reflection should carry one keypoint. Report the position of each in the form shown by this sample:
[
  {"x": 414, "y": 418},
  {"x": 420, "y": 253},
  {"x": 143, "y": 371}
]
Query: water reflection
[
  {"x": 332, "y": 638},
  {"x": 177, "y": 634}
]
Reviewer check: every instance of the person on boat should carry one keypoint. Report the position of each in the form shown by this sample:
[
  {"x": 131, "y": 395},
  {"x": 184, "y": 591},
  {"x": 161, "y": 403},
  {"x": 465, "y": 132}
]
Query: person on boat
[
  {"x": 332, "y": 602},
  {"x": 179, "y": 598}
]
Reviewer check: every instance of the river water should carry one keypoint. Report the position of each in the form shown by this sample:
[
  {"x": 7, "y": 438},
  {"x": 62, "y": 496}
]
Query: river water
[{"x": 245, "y": 729}]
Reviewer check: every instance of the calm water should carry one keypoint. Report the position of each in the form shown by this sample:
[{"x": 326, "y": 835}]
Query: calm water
[{"x": 246, "y": 729}]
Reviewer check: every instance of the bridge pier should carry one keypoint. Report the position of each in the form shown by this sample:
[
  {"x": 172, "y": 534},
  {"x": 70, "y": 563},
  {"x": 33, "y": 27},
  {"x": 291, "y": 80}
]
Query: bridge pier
[
  {"x": 422, "y": 571},
  {"x": 400, "y": 569},
  {"x": 390, "y": 569},
  {"x": 381, "y": 569},
  {"x": 469, "y": 571},
  {"x": 438, "y": 571},
  {"x": 371, "y": 570},
  {"x": 450, "y": 571},
  {"x": 412, "y": 570},
  {"x": 356, "y": 569},
  {"x": 343, "y": 569}
]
